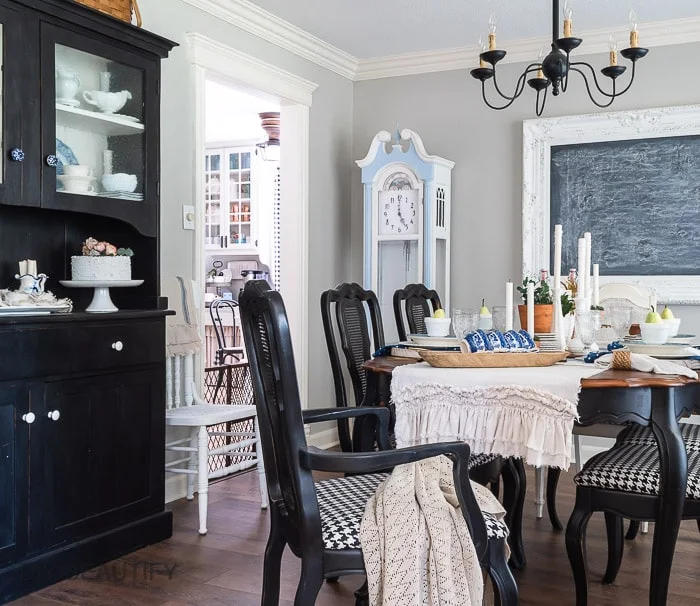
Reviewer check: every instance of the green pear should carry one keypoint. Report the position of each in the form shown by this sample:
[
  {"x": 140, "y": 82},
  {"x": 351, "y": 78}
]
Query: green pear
[
  {"x": 439, "y": 313},
  {"x": 667, "y": 314},
  {"x": 484, "y": 311},
  {"x": 653, "y": 317}
]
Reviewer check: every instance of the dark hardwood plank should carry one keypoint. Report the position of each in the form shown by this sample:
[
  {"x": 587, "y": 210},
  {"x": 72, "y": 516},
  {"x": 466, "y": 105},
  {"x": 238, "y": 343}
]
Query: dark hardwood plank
[{"x": 225, "y": 566}]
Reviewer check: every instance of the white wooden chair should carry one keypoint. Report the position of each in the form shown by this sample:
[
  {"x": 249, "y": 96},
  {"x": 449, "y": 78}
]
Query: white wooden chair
[
  {"x": 186, "y": 409},
  {"x": 612, "y": 294}
]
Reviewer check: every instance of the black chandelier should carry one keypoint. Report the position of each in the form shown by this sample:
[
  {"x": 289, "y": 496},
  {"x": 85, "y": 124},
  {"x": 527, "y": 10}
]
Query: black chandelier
[{"x": 554, "y": 69}]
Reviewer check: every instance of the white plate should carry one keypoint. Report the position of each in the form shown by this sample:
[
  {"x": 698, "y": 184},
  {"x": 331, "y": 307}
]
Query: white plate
[
  {"x": 435, "y": 341},
  {"x": 667, "y": 350},
  {"x": 680, "y": 339},
  {"x": 32, "y": 310},
  {"x": 83, "y": 178}
]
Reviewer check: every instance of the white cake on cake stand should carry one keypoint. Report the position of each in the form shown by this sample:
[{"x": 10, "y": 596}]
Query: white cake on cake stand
[{"x": 101, "y": 301}]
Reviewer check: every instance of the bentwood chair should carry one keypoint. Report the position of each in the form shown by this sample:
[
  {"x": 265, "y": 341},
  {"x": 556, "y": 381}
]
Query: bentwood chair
[
  {"x": 320, "y": 521},
  {"x": 229, "y": 349},
  {"x": 414, "y": 303}
]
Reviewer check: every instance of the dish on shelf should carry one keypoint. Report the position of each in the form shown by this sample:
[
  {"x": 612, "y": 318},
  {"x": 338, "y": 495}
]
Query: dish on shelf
[
  {"x": 121, "y": 195},
  {"x": 434, "y": 341},
  {"x": 125, "y": 117},
  {"x": 69, "y": 102},
  {"x": 33, "y": 310},
  {"x": 65, "y": 156}
]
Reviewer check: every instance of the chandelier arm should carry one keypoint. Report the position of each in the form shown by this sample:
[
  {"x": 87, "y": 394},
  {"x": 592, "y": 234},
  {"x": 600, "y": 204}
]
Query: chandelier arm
[
  {"x": 611, "y": 97},
  {"x": 519, "y": 86},
  {"x": 595, "y": 80},
  {"x": 565, "y": 81},
  {"x": 483, "y": 95},
  {"x": 540, "y": 108}
]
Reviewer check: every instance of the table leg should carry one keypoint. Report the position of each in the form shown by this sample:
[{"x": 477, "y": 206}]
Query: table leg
[
  {"x": 539, "y": 490},
  {"x": 674, "y": 477}
]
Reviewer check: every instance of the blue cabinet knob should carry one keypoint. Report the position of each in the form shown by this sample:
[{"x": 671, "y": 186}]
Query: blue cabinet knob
[
  {"x": 16, "y": 155},
  {"x": 52, "y": 160}
]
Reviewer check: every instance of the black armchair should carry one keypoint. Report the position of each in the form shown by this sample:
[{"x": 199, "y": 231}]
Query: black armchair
[{"x": 310, "y": 516}]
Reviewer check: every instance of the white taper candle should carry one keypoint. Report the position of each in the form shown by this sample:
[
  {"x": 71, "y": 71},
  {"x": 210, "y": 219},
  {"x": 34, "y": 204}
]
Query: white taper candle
[
  {"x": 509, "y": 305},
  {"x": 531, "y": 308},
  {"x": 581, "y": 278},
  {"x": 596, "y": 284},
  {"x": 589, "y": 285}
]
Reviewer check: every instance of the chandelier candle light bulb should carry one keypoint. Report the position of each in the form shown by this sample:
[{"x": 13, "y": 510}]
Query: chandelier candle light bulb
[
  {"x": 492, "y": 32},
  {"x": 634, "y": 35},
  {"x": 612, "y": 44},
  {"x": 483, "y": 47},
  {"x": 568, "y": 11}
]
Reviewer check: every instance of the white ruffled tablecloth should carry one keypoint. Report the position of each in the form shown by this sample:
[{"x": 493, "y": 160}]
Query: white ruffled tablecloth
[{"x": 512, "y": 412}]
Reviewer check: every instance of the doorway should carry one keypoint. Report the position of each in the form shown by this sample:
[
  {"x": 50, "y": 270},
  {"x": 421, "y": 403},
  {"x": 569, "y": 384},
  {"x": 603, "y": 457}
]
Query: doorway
[
  {"x": 241, "y": 226},
  {"x": 212, "y": 60}
]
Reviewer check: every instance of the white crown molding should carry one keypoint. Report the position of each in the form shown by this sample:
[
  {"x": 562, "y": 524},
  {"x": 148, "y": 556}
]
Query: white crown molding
[
  {"x": 259, "y": 22},
  {"x": 255, "y": 20},
  {"x": 662, "y": 33},
  {"x": 248, "y": 70}
]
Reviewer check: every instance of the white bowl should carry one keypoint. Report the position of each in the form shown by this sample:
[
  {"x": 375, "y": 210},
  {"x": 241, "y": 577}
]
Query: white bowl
[
  {"x": 437, "y": 327},
  {"x": 119, "y": 182},
  {"x": 673, "y": 326},
  {"x": 654, "y": 333}
]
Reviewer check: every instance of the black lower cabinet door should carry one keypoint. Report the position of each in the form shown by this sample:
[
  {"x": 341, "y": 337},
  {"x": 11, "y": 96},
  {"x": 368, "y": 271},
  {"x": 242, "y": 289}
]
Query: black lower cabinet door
[
  {"x": 103, "y": 455},
  {"x": 14, "y": 482}
]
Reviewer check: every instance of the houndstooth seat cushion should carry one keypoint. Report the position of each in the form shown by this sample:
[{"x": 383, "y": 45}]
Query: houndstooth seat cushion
[
  {"x": 640, "y": 435},
  {"x": 634, "y": 468},
  {"x": 341, "y": 502},
  {"x": 479, "y": 459}
]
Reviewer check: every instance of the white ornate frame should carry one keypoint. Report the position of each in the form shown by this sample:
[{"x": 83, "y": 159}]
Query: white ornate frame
[{"x": 538, "y": 138}]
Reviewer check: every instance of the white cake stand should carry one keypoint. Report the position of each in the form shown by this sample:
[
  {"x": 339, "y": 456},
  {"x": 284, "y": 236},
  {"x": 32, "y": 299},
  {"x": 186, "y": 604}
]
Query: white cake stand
[{"x": 101, "y": 302}]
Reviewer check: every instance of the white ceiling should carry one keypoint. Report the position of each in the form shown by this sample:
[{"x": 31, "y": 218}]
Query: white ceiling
[
  {"x": 378, "y": 28},
  {"x": 232, "y": 114}
]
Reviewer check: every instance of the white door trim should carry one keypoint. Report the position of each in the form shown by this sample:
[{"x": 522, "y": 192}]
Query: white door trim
[{"x": 209, "y": 57}]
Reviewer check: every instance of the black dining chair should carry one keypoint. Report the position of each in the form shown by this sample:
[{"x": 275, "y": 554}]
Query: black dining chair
[
  {"x": 624, "y": 482},
  {"x": 345, "y": 311},
  {"x": 414, "y": 303},
  {"x": 320, "y": 521}
]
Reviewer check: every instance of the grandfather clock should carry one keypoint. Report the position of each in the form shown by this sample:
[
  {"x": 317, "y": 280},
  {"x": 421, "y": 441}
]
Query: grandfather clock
[{"x": 407, "y": 197}]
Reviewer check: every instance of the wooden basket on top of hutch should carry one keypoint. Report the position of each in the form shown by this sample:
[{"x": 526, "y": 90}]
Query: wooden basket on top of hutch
[{"x": 82, "y": 395}]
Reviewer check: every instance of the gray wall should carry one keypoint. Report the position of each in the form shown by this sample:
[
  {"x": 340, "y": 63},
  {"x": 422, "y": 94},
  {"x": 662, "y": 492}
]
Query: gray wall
[
  {"x": 447, "y": 111},
  {"x": 330, "y": 155}
]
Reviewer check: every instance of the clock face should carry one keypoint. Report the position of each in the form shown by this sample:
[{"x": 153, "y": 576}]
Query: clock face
[{"x": 398, "y": 211}]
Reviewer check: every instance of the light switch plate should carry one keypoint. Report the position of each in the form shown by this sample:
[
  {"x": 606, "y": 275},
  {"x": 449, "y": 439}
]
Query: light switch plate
[{"x": 187, "y": 217}]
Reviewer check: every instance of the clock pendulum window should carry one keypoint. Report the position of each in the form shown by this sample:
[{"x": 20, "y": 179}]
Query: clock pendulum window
[{"x": 406, "y": 220}]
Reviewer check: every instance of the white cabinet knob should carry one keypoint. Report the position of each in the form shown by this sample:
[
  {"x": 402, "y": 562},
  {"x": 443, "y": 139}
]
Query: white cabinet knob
[
  {"x": 54, "y": 415},
  {"x": 117, "y": 345},
  {"x": 29, "y": 418}
]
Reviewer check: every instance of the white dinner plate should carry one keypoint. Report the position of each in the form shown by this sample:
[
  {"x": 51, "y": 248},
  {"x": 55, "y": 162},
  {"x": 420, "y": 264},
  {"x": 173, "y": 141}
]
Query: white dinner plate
[
  {"x": 667, "y": 350},
  {"x": 434, "y": 341}
]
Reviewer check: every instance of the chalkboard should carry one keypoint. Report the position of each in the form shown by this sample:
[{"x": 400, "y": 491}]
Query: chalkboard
[{"x": 640, "y": 199}]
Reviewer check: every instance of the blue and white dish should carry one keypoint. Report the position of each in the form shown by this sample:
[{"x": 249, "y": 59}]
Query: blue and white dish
[{"x": 65, "y": 156}]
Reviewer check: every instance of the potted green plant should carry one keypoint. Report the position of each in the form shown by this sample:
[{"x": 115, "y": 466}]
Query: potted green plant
[{"x": 543, "y": 305}]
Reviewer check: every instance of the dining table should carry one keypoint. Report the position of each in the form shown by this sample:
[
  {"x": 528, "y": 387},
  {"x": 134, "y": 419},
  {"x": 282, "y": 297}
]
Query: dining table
[{"x": 423, "y": 413}]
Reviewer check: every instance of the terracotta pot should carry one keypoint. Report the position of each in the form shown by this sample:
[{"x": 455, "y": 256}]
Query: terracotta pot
[{"x": 543, "y": 317}]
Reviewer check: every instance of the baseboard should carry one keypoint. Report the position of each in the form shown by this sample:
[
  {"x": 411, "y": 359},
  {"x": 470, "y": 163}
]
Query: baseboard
[
  {"x": 175, "y": 487},
  {"x": 328, "y": 438}
]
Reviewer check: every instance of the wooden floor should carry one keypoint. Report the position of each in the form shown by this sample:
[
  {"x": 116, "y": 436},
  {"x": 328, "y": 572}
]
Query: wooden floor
[{"x": 225, "y": 566}]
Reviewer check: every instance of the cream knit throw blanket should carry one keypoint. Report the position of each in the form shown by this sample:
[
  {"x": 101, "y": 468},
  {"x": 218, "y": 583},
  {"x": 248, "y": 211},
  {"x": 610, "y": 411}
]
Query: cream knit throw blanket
[{"x": 415, "y": 541}]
